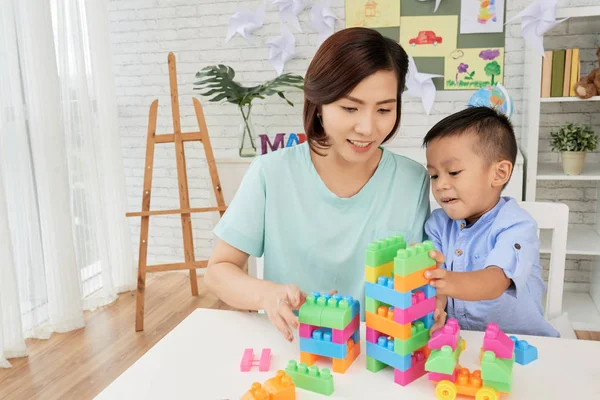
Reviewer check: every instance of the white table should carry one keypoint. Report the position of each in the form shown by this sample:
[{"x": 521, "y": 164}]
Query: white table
[{"x": 200, "y": 359}]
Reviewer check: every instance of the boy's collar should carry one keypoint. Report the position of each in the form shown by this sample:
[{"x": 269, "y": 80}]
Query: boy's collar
[{"x": 463, "y": 224}]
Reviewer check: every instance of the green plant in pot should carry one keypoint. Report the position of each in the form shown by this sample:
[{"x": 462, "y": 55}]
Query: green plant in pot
[
  {"x": 573, "y": 141},
  {"x": 217, "y": 81}
]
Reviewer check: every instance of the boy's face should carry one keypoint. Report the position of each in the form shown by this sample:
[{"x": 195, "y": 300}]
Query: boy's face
[{"x": 463, "y": 182}]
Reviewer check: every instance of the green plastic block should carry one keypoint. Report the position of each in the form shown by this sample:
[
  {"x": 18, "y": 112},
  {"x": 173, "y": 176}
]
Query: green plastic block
[
  {"x": 337, "y": 314},
  {"x": 443, "y": 361},
  {"x": 419, "y": 338},
  {"x": 383, "y": 251},
  {"x": 496, "y": 369},
  {"x": 371, "y": 305},
  {"x": 374, "y": 365},
  {"x": 310, "y": 378},
  {"x": 311, "y": 311},
  {"x": 499, "y": 386},
  {"x": 413, "y": 258}
]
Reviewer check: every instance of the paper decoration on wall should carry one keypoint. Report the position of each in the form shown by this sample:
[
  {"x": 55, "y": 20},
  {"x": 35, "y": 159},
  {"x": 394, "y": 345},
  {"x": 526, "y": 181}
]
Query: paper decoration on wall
[
  {"x": 289, "y": 10},
  {"x": 432, "y": 33},
  {"x": 437, "y": 4},
  {"x": 474, "y": 68},
  {"x": 428, "y": 36},
  {"x": 481, "y": 16},
  {"x": 279, "y": 140},
  {"x": 372, "y": 13},
  {"x": 537, "y": 19},
  {"x": 245, "y": 22},
  {"x": 282, "y": 49},
  {"x": 322, "y": 19},
  {"x": 420, "y": 85}
]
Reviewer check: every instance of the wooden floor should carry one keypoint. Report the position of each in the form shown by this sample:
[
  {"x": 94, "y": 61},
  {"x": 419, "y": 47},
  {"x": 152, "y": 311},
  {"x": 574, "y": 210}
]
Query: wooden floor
[{"x": 80, "y": 364}]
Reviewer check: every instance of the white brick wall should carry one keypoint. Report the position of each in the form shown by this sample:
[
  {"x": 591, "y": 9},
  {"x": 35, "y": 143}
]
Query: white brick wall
[{"x": 144, "y": 31}]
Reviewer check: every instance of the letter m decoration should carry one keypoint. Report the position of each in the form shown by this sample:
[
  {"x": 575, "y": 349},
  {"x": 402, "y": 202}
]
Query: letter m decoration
[{"x": 278, "y": 142}]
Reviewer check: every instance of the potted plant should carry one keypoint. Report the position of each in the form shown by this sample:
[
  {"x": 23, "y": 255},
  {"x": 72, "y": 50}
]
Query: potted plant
[
  {"x": 219, "y": 83},
  {"x": 573, "y": 141}
]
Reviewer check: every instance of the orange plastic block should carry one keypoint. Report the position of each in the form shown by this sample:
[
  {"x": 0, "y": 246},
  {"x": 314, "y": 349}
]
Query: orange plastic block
[
  {"x": 280, "y": 387},
  {"x": 468, "y": 384},
  {"x": 308, "y": 358},
  {"x": 341, "y": 365},
  {"x": 409, "y": 282},
  {"x": 384, "y": 322}
]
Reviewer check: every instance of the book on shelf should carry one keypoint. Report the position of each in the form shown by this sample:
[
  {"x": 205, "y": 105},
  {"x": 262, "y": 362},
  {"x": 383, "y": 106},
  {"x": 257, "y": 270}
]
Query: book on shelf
[{"x": 560, "y": 72}]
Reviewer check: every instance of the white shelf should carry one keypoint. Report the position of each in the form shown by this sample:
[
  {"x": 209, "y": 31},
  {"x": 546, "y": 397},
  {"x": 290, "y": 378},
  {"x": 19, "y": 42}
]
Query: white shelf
[
  {"x": 554, "y": 172},
  {"x": 567, "y": 99},
  {"x": 583, "y": 313},
  {"x": 581, "y": 240},
  {"x": 590, "y": 11}
]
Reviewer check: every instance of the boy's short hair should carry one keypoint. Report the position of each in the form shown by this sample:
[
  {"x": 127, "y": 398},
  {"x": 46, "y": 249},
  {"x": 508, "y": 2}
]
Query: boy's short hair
[{"x": 494, "y": 131}]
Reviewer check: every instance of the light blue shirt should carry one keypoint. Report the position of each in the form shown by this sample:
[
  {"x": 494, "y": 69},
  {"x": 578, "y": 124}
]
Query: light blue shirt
[
  {"x": 506, "y": 237},
  {"x": 311, "y": 237}
]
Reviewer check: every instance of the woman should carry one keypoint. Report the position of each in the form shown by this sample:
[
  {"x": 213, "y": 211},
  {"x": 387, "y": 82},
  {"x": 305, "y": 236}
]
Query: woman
[{"x": 312, "y": 209}]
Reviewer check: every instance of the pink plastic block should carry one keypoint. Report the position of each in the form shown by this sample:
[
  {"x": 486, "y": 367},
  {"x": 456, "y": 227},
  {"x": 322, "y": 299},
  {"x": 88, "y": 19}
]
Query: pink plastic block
[
  {"x": 436, "y": 376},
  {"x": 341, "y": 336},
  {"x": 416, "y": 370},
  {"x": 498, "y": 342},
  {"x": 372, "y": 335},
  {"x": 448, "y": 335},
  {"x": 306, "y": 330},
  {"x": 248, "y": 360},
  {"x": 421, "y": 308}
]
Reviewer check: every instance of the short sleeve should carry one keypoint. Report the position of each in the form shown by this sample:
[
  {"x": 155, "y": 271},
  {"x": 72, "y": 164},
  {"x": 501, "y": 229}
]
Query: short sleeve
[
  {"x": 243, "y": 224},
  {"x": 515, "y": 251},
  {"x": 421, "y": 212}
]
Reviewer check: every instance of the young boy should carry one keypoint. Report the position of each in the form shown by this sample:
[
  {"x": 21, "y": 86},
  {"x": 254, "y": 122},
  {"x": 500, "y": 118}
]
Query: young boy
[{"x": 491, "y": 270}]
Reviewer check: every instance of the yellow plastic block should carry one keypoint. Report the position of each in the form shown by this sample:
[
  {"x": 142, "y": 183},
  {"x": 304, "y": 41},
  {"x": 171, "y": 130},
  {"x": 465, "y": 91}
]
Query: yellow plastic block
[{"x": 372, "y": 273}]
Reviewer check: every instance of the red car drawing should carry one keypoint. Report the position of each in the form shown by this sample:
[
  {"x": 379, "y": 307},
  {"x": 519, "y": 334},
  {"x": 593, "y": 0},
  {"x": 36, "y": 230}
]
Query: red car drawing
[{"x": 426, "y": 37}]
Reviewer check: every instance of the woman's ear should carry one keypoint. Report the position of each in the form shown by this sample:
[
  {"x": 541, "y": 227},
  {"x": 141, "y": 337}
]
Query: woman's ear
[{"x": 502, "y": 173}]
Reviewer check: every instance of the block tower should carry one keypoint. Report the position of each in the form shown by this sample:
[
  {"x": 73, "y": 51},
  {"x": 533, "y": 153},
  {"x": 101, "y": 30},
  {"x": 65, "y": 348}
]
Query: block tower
[
  {"x": 399, "y": 307},
  {"x": 330, "y": 327},
  {"x": 497, "y": 359}
]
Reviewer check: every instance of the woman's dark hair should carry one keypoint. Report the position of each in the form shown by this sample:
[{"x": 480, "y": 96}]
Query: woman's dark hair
[{"x": 342, "y": 62}]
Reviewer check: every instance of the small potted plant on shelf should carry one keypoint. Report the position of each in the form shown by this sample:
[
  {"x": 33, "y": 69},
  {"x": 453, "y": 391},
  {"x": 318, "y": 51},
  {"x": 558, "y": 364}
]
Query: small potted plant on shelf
[{"x": 573, "y": 141}]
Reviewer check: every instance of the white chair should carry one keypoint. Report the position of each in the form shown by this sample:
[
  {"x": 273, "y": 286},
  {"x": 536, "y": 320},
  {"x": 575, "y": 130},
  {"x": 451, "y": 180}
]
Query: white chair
[{"x": 553, "y": 216}]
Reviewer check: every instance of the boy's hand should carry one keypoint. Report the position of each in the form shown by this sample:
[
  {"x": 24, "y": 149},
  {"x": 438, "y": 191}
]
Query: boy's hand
[
  {"x": 439, "y": 315},
  {"x": 445, "y": 282},
  {"x": 439, "y": 258}
]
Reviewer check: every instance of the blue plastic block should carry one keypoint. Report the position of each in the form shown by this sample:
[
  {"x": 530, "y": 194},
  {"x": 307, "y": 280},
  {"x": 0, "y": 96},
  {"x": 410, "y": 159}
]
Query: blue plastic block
[
  {"x": 321, "y": 344},
  {"x": 524, "y": 352},
  {"x": 383, "y": 293},
  {"x": 429, "y": 290},
  {"x": 384, "y": 352},
  {"x": 427, "y": 320}
]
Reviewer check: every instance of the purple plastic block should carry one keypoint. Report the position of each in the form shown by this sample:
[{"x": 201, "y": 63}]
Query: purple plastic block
[
  {"x": 448, "y": 335},
  {"x": 341, "y": 336},
  {"x": 436, "y": 376},
  {"x": 420, "y": 308},
  {"x": 306, "y": 330},
  {"x": 498, "y": 342}
]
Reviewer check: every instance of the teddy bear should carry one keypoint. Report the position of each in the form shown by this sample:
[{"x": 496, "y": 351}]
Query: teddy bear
[{"x": 589, "y": 86}]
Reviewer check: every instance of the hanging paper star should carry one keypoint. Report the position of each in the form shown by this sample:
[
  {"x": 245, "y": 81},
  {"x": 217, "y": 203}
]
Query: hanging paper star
[
  {"x": 537, "y": 19},
  {"x": 283, "y": 49},
  {"x": 245, "y": 22},
  {"x": 437, "y": 4},
  {"x": 420, "y": 85},
  {"x": 323, "y": 19},
  {"x": 289, "y": 10}
]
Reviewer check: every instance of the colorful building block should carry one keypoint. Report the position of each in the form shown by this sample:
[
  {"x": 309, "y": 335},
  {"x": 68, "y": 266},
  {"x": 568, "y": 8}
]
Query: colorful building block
[
  {"x": 321, "y": 344},
  {"x": 420, "y": 308},
  {"x": 310, "y": 378},
  {"x": 437, "y": 376},
  {"x": 444, "y": 360},
  {"x": 524, "y": 352},
  {"x": 418, "y": 338},
  {"x": 414, "y": 258},
  {"x": 498, "y": 342},
  {"x": 467, "y": 384},
  {"x": 496, "y": 369},
  {"x": 279, "y": 387},
  {"x": 340, "y": 366},
  {"x": 448, "y": 335},
  {"x": 248, "y": 360},
  {"x": 412, "y": 281},
  {"x": 384, "y": 322},
  {"x": 384, "y": 292},
  {"x": 416, "y": 370},
  {"x": 383, "y": 251},
  {"x": 383, "y": 351}
]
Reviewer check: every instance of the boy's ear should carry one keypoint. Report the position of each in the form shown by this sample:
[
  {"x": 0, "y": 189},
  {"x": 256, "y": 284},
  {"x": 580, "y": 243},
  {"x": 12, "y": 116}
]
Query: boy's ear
[{"x": 502, "y": 173}]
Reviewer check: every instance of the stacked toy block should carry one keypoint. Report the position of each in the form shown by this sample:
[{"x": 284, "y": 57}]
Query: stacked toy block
[
  {"x": 498, "y": 359},
  {"x": 446, "y": 346},
  {"x": 279, "y": 387},
  {"x": 399, "y": 307},
  {"x": 330, "y": 327}
]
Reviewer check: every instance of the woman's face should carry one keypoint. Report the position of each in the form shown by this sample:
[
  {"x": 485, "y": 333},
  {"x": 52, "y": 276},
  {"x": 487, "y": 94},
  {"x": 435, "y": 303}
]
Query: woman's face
[{"x": 357, "y": 123}]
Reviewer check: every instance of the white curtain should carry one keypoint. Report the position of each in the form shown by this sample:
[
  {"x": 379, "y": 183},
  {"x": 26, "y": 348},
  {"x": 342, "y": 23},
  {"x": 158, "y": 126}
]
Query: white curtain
[{"x": 67, "y": 241}]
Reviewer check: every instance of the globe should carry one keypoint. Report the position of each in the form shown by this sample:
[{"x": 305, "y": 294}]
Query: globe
[{"x": 494, "y": 97}]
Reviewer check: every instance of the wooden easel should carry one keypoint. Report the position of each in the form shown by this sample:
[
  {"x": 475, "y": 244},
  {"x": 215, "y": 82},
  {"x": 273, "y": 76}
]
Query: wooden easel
[{"x": 185, "y": 211}]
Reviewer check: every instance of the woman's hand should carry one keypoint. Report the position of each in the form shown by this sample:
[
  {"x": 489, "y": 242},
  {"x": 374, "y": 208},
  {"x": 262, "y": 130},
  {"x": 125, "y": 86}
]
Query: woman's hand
[{"x": 279, "y": 302}]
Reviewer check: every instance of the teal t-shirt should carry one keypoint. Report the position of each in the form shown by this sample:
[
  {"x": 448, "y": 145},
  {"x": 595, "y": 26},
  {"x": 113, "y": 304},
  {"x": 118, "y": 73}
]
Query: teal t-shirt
[{"x": 311, "y": 237}]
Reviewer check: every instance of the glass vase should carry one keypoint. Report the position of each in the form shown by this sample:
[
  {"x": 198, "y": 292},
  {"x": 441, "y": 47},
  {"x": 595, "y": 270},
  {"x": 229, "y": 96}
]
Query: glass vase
[{"x": 246, "y": 131}]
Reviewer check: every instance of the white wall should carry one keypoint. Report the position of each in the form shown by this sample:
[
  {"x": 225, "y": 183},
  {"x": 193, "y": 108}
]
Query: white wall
[{"x": 144, "y": 31}]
